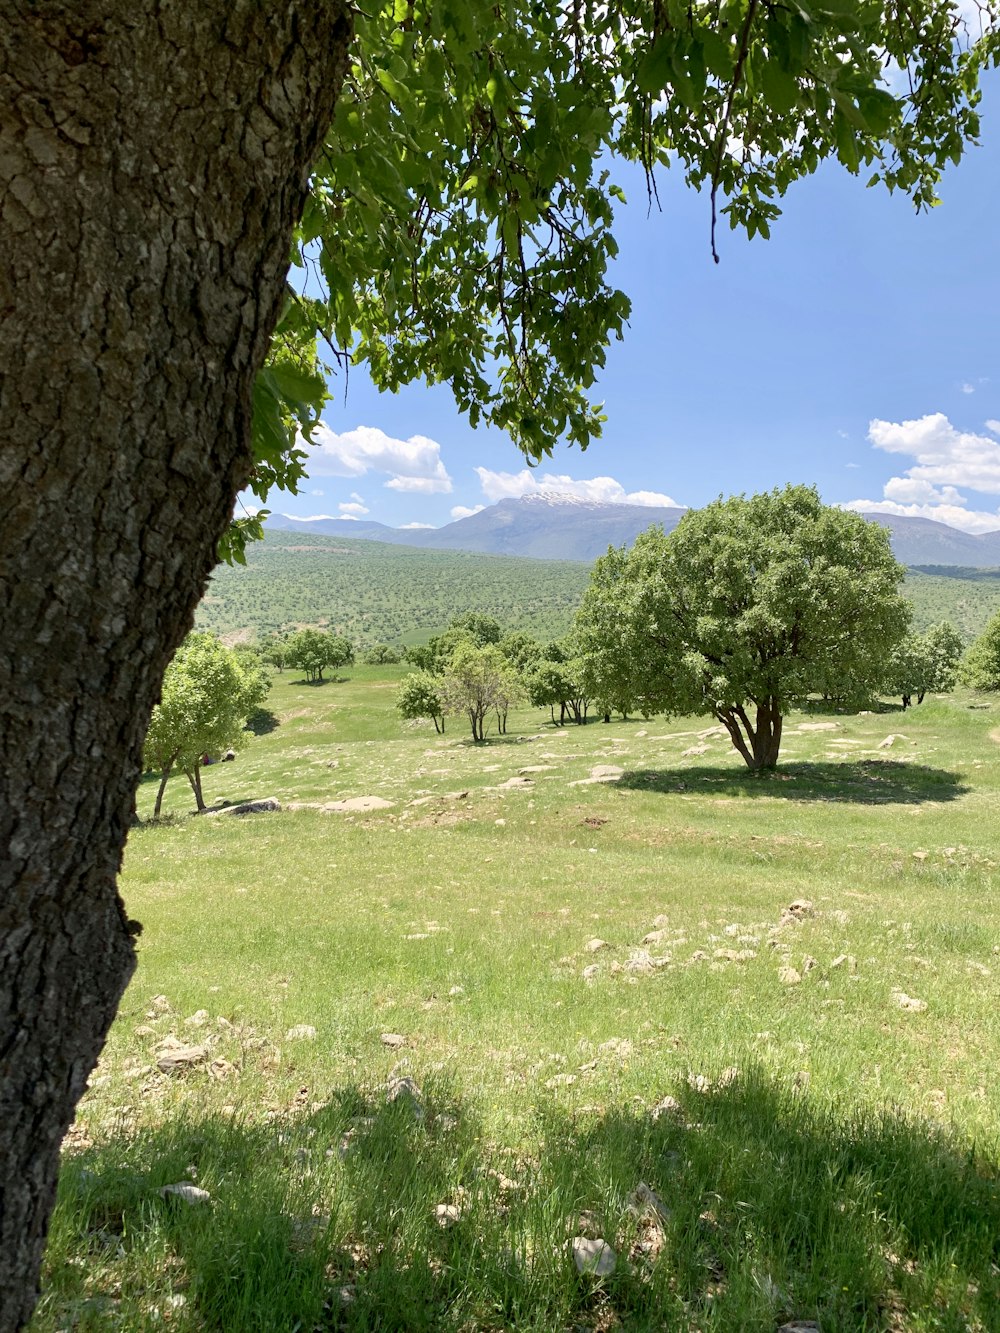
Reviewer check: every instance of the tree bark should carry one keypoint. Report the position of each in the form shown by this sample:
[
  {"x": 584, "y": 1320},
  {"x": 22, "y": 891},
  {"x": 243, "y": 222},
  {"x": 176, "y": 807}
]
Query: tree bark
[
  {"x": 153, "y": 161},
  {"x": 161, "y": 789},
  {"x": 194, "y": 777}
]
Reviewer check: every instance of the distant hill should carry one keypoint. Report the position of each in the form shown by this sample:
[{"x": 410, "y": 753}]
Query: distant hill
[{"x": 552, "y": 526}]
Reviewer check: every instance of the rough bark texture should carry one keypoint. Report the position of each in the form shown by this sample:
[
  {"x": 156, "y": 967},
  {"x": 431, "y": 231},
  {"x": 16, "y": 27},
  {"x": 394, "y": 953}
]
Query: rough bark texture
[{"x": 153, "y": 160}]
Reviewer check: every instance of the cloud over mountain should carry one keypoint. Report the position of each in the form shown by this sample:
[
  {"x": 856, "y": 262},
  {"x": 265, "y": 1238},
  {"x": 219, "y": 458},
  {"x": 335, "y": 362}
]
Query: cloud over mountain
[
  {"x": 598, "y": 490},
  {"x": 411, "y": 465}
]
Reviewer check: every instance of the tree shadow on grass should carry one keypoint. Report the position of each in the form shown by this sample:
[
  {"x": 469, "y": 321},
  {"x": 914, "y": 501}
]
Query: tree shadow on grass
[
  {"x": 770, "y": 1208},
  {"x": 262, "y": 722},
  {"x": 859, "y": 781}
]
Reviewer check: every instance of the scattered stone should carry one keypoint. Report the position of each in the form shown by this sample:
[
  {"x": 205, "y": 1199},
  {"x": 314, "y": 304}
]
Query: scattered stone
[
  {"x": 517, "y": 782},
  {"x": 359, "y": 803},
  {"x": 655, "y": 936},
  {"x": 800, "y": 1326},
  {"x": 839, "y": 961},
  {"x": 698, "y": 956},
  {"x": 186, "y": 1191},
  {"x": 593, "y": 945},
  {"x": 668, "y": 1106},
  {"x": 500, "y": 823},
  {"x": 267, "y": 805},
  {"x": 693, "y": 751},
  {"x": 788, "y": 976},
  {"x": 620, "y": 1046},
  {"x": 536, "y": 768},
  {"x": 101, "y": 1081},
  {"x": 393, "y": 1040},
  {"x": 590, "y": 972},
  {"x": 800, "y": 907},
  {"x": 160, "y": 1003},
  {"x": 197, "y": 1020},
  {"x": 643, "y": 1201},
  {"x": 606, "y": 772},
  {"x": 661, "y": 920},
  {"x": 735, "y": 955},
  {"x": 909, "y": 1002},
  {"x": 447, "y": 1214},
  {"x": 177, "y": 1058},
  {"x": 920, "y": 856},
  {"x": 457, "y": 990},
  {"x": 818, "y": 726},
  {"x": 405, "y": 1088},
  {"x": 220, "y": 1069},
  {"x": 144, "y": 1030},
  {"x": 808, "y": 963},
  {"x": 890, "y": 741},
  {"x": 593, "y": 1258},
  {"x": 301, "y": 1032},
  {"x": 709, "y": 732},
  {"x": 640, "y": 962}
]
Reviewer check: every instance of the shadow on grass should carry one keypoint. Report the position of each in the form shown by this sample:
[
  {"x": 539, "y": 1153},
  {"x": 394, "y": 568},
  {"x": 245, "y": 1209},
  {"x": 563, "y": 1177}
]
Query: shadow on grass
[
  {"x": 860, "y": 781},
  {"x": 262, "y": 722},
  {"x": 772, "y": 1209}
]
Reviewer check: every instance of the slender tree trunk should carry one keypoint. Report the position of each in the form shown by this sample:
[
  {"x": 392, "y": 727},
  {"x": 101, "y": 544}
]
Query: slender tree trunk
[
  {"x": 161, "y": 789},
  {"x": 153, "y": 161},
  {"x": 193, "y": 776}
]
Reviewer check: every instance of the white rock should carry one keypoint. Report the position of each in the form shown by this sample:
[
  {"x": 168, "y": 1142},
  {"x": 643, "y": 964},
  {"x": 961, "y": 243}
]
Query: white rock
[
  {"x": 359, "y": 803},
  {"x": 818, "y": 726},
  {"x": 186, "y": 1191},
  {"x": 301, "y": 1032},
  {"x": 174, "y": 1059},
  {"x": 909, "y": 1002},
  {"x": 788, "y": 976},
  {"x": 655, "y": 936},
  {"x": 593, "y": 1258},
  {"x": 590, "y": 972},
  {"x": 693, "y": 751},
  {"x": 447, "y": 1214},
  {"x": 393, "y": 1040},
  {"x": 606, "y": 772},
  {"x": 593, "y": 945}
]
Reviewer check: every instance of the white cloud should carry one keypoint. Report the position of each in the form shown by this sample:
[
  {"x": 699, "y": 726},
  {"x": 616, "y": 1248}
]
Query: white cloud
[
  {"x": 407, "y": 526},
  {"x": 358, "y": 499},
  {"x": 944, "y": 455},
  {"x": 463, "y": 511},
  {"x": 994, "y": 426},
  {"x": 601, "y": 490},
  {"x": 852, "y": 465},
  {"x": 946, "y": 459},
  {"x": 352, "y": 509},
  {"x": 968, "y": 520},
  {"x": 411, "y": 465},
  {"x": 319, "y": 493},
  {"x": 968, "y": 388}
]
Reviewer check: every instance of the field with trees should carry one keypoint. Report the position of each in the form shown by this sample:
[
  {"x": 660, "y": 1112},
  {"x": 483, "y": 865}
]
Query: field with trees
[
  {"x": 373, "y": 593},
  {"x": 403, "y": 1052}
]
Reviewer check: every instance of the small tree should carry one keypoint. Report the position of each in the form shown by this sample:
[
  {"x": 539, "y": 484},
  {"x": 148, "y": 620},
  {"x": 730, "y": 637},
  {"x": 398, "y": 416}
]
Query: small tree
[
  {"x": 420, "y": 696},
  {"x": 980, "y": 668},
  {"x": 382, "y": 654},
  {"x": 209, "y": 692},
  {"x": 748, "y": 606},
  {"x": 520, "y": 649},
  {"x": 482, "y": 629},
  {"x": 559, "y": 682},
  {"x": 313, "y": 650},
  {"x": 925, "y": 662},
  {"x": 275, "y": 651},
  {"x": 476, "y": 681}
]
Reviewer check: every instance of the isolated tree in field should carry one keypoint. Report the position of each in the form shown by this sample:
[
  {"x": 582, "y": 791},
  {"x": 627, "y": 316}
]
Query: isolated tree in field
[
  {"x": 275, "y": 651},
  {"x": 980, "y": 668},
  {"x": 478, "y": 681},
  {"x": 159, "y": 166},
  {"x": 382, "y": 654},
  {"x": 420, "y": 696},
  {"x": 315, "y": 651},
  {"x": 743, "y": 611},
  {"x": 924, "y": 663},
  {"x": 209, "y": 692}
]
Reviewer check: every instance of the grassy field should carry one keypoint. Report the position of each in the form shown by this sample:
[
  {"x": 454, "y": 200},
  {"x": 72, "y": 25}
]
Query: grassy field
[
  {"x": 374, "y": 592},
  {"x": 567, "y": 986}
]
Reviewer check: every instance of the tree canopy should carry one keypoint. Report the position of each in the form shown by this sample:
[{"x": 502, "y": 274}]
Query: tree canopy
[
  {"x": 748, "y": 604},
  {"x": 461, "y": 216},
  {"x": 314, "y": 651},
  {"x": 209, "y": 692},
  {"x": 980, "y": 668}
]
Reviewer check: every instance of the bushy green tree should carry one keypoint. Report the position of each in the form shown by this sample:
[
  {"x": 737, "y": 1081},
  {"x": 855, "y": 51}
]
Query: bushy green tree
[
  {"x": 520, "y": 649},
  {"x": 480, "y": 628},
  {"x": 562, "y": 681},
  {"x": 209, "y": 692},
  {"x": 747, "y": 607},
  {"x": 923, "y": 663},
  {"x": 382, "y": 654},
  {"x": 420, "y": 696},
  {"x": 980, "y": 668},
  {"x": 479, "y": 680},
  {"x": 314, "y": 651}
]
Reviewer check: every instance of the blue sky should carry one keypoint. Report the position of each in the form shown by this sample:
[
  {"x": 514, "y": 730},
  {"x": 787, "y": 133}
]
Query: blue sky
[{"x": 768, "y": 368}]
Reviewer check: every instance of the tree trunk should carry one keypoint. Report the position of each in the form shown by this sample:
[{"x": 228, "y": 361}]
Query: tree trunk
[
  {"x": 153, "y": 161},
  {"x": 759, "y": 741},
  {"x": 193, "y": 776},
  {"x": 161, "y": 789}
]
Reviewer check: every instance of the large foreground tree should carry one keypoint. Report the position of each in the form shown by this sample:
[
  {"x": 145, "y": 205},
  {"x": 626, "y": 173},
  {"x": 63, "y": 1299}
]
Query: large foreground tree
[
  {"x": 155, "y": 161},
  {"x": 743, "y": 611}
]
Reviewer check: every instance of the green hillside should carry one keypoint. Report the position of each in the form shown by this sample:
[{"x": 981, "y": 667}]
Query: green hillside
[{"x": 375, "y": 592}]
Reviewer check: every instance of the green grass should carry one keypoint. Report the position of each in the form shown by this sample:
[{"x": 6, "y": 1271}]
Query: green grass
[{"x": 830, "y": 1155}]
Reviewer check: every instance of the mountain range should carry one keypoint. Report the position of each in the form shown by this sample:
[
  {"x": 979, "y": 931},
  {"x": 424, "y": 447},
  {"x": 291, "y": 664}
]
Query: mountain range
[{"x": 552, "y": 526}]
